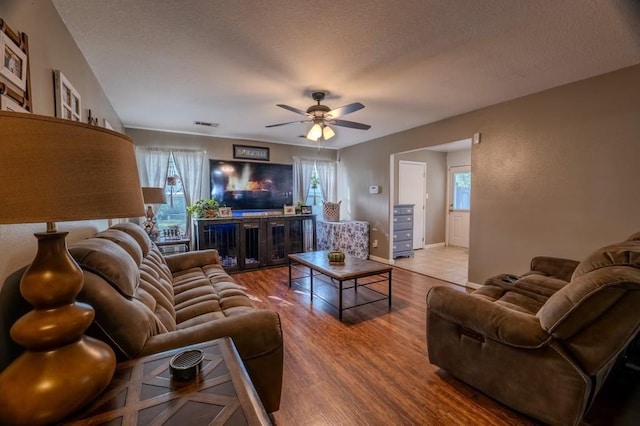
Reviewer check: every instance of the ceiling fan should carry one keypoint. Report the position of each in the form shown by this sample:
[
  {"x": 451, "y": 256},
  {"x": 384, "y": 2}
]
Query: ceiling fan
[{"x": 321, "y": 116}]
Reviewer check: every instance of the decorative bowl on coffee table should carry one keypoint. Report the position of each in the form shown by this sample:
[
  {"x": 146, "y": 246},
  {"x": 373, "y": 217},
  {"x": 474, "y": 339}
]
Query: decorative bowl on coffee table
[{"x": 336, "y": 257}]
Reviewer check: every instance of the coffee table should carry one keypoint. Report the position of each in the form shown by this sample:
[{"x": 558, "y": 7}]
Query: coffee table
[{"x": 352, "y": 269}]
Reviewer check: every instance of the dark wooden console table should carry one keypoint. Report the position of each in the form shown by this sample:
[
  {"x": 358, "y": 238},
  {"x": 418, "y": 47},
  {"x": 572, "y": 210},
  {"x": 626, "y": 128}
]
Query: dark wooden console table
[
  {"x": 251, "y": 242},
  {"x": 143, "y": 392}
]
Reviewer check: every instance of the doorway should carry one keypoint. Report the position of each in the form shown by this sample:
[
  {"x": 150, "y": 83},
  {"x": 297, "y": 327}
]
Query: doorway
[
  {"x": 412, "y": 184},
  {"x": 437, "y": 259}
]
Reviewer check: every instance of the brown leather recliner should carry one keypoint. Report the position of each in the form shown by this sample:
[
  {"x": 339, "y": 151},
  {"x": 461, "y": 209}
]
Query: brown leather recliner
[
  {"x": 146, "y": 303},
  {"x": 544, "y": 343}
]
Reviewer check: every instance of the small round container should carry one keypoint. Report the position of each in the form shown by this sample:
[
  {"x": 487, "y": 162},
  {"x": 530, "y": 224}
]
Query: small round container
[
  {"x": 185, "y": 365},
  {"x": 336, "y": 257}
]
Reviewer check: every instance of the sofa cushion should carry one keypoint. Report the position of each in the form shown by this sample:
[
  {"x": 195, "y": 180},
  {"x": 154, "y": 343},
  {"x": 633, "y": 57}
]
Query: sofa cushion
[
  {"x": 626, "y": 253},
  {"x": 510, "y": 299},
  {"x": 110, "y": 261},
  {"x": 138, "y": 234},
  {"x": 125, "y": 241},
  {"x": 634, "y": 237}
]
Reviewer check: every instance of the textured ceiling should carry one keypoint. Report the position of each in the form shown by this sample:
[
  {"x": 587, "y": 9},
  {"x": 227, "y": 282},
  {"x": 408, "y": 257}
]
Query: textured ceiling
[{"x": 165, "y": 64}]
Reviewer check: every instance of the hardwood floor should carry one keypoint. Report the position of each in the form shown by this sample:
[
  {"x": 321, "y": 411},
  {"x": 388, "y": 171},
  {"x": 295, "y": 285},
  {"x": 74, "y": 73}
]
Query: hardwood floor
[{"x": 372, "y": 368}]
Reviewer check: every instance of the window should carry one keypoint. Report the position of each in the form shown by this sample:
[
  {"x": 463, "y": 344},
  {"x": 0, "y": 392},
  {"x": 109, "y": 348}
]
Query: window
[
  {"x": 172, "y": 216},
  {"x": 462, "y": 190},
  {"x": 314, "y": 194}
]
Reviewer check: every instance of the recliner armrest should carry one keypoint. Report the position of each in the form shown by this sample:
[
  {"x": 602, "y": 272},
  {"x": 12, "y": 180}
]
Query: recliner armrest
[
  {"x": 554, "y": 267},
  {"x": 491, "y": 320},
  {"x": 192, "y": 259}
]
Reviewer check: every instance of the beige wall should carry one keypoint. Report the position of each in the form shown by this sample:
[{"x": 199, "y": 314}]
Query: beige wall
[
  {"x": 459, "y": 158},
  {"x": 435, "y": 214},
  {"x": 50, "y": 47},
  {"x": 556, "y": 172},
  {"x": 222, "y": 148}
]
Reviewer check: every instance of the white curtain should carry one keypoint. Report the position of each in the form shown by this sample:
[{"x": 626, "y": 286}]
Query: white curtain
[
  {"x": 302, "y": 171},
  {"x": 327, "y": 176},
  {"x": 189, "y": 166},
  {"x": 153, "y": 164}
]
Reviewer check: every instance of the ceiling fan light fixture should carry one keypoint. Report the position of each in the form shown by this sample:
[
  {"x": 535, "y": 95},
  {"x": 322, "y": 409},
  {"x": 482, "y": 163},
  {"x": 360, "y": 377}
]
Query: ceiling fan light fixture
[
  {"x": 315, "y": 133},
  {"x": 327, "y": 133}
]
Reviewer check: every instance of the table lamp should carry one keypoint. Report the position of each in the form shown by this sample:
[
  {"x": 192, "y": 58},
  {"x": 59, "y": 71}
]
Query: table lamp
[
  {"x": 152, "y": 196},
  {"x": 56, "y": 170}
]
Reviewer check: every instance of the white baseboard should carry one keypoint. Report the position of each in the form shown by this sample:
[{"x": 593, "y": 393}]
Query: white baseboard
[
  {"x": 473, "y": 285},
  {"x": 434, "y": 245},
  {"x": 381, "y": 260}
]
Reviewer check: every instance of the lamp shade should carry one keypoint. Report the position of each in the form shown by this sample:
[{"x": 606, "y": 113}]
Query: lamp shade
[
  {"x": 153, "y": 195},
  {"x": 327, "y": 133},
  {"x": 54, "y": 170},
  {"x": 315, "y": 132}
]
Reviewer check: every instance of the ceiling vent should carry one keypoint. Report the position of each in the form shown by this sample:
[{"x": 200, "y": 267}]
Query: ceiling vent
[{"x": 206, "y": 124}]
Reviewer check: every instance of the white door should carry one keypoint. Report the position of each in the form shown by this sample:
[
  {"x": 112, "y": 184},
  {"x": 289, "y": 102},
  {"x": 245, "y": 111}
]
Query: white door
[
  {"x": 459, "y": 205},
  {"x": 412, "y": 189}
]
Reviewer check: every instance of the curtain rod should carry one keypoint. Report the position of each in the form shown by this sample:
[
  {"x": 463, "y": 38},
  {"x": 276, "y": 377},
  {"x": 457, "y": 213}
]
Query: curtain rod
[
  {"x": 314, "y": 159},
  {"x": 161, "y": 148}
]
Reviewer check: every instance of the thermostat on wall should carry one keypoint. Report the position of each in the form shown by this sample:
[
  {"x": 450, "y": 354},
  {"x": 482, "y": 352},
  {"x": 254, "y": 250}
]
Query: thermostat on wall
[{"x": 374, "y": 189}]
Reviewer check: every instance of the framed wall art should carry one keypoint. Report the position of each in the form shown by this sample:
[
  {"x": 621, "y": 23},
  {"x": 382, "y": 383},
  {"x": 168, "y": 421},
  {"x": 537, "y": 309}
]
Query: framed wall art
[
  {"x": 251, "y": 152},
  {"x": 224, "y": 212},
  {"x": 68, "y": 101},
  {"x": 15, "y": 80},
  {"x": 14, "y": 62},
  {"x": 8, "y": 104}
]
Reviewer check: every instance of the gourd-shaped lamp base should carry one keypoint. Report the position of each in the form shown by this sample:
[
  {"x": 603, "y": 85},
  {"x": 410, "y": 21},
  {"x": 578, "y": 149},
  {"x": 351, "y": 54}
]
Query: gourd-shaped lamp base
[{"x": 61, "y": 370}]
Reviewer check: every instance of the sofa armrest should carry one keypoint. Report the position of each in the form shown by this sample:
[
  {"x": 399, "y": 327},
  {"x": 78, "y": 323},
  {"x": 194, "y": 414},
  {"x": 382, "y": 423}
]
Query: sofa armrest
[
  {"x": 192, "y": 259},
  {"x": 491, "y": 320},
  {"x": 554, "y": 267}
]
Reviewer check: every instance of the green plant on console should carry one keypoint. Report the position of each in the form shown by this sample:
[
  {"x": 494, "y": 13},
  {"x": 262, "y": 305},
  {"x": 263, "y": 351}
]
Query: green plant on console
[{"x": 204, "y": 209}]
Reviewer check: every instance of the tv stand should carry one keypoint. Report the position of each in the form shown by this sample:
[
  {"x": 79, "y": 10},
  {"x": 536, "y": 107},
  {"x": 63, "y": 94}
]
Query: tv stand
[{"x": 251, "y": 242}]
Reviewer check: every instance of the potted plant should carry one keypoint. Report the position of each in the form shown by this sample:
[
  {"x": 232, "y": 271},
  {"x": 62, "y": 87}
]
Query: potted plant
[{"x": 204, "y": 209}]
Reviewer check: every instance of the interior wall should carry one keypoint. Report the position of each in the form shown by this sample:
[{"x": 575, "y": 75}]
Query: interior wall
[
  {"x": 435, "y": 205},
  {"x": 222, "y": 148},
  {"x": 459, "y": 158},
  {"x": 555, "y": 173},
  {"x": 50, "y": 47}
]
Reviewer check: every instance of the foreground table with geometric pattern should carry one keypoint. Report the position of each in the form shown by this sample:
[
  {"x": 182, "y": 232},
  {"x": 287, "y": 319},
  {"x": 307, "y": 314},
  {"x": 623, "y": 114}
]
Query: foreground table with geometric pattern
[{"x": 142, "y": 392}]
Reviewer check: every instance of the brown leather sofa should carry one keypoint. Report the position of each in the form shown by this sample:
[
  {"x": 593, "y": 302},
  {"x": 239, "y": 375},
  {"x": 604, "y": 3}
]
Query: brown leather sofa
[
  {"x": 543, "y": 343},
  {"x": 147, "y": 303}
]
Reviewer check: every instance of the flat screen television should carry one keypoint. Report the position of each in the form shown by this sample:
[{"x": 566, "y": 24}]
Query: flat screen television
[{"x": 245, "y": 185}]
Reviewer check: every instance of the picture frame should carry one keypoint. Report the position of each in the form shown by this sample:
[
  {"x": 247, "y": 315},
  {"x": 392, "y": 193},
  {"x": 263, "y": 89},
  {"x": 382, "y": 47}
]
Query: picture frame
[
  {"x": 289, "y": 210},
  {"x": 246, "y": 152},
  {"x": 9, "y": 104},
  {"x": 13, "y": 63},
  {"x": 68, "y": 100},
  {"x": 224, "y": 212},
  {"x": 305, "y": 209}
]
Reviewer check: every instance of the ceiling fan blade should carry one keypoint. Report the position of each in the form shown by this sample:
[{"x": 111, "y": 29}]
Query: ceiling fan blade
[
  {"x": 346, "y": 109},
  {"x": 351, "y": 124},
  {"x": 283, "y": 124},
  {"x": 292, "y": 109}
]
